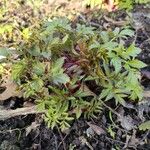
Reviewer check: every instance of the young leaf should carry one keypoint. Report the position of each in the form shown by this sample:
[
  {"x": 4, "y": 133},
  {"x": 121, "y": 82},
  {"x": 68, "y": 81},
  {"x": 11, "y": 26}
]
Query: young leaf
[
  {"x": 133, "y": 51},
  {"x": 116, "y": 62},
  {"x": 83, "y": 30},
  {"x": 57, "y": 72},
  {"x": 127, "y": 32},
  {"x": 18, "y": 69},
  {"x": 137, "y": 64},
  {"x": 38, "y": 68},
  {"x": 60, "y": 78}
]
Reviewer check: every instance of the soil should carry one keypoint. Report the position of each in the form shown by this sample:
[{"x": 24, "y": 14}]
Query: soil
[{"x": 30, "y": 133}]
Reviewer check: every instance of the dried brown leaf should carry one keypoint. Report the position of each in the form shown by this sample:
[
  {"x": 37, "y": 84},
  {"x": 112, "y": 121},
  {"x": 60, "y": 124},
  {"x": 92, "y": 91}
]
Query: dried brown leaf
[
  {"x": 133, "y": 140},
  {"x": 11, "y": 89},
  {"x": 127, "y": 122},
  {"x": 98, "y": 130},
  {"x": 146, "y": 93}
]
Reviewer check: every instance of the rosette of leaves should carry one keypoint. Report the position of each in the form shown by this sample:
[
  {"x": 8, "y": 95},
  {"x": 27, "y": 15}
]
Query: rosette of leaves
[{"x": 56, "y": 62}]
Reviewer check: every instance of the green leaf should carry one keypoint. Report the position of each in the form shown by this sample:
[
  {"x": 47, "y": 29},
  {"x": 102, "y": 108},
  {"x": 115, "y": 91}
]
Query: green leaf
[
  {"x": 34, "y": 50},
  {"x": 18, "y": 69},
  {"x": 65, "y": 38},
  {"x": 78, "y": 112},
  {"x": 57, "y": 23},
  {"x": 37, "y": 84},
  {"x": 109, "y": 96},
  {"x": 110, "y": 45},
  {"x": 104, "y": 93},
  {"x": 111, "y": 132},
  {"x": 40, "y": 104},
  {"x": 136, "y": 64},
  {"x": 127, "y": 4},
  {"x": 57, "y": 72},
  {"x": 6, "y": 28},
  {"x": 105, "y": 37},
  {"x": 83, "y": 30},
  {"x": 59, "y": 63},
  {"x": 38, "y": 68},
  {"x": 94, "y": 45},
  {"x": 145, "y": 126},
  {"x": 116, "y": 62},
  {"x": 116, "y": 31},
  {"x": 61, "y": 78},
  {"x": 26, "y": 33},
  {"x": 46, "y": 55},
  {"x": 119, "y": 98},
  {"x": 133, "y": 51},
  {"x": 64, "y": 107},
  {"x": 64, "y": 126},
  {"x": 127, "y": 32}
]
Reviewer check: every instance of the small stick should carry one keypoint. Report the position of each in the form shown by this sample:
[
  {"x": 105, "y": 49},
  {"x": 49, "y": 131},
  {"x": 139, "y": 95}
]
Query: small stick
[
  {"x": 113, "y": 111},
  {"x": 6, "y": 113},
  {"x": 62, "y": 139},
  {"x": 117, "y": 23}
]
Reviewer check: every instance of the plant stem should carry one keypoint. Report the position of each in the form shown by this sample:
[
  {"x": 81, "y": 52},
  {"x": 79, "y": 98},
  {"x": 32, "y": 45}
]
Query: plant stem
[{"x": 113, "y": 111}]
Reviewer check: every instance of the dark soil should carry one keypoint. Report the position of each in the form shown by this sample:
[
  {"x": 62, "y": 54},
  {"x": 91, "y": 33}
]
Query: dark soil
[{"x": 13, "y": 136}]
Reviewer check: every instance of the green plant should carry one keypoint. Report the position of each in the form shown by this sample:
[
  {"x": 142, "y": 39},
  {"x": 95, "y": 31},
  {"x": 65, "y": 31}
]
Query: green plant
[
  {"x": 123, "y": 4},
  {"x": 128, "y": 4},
  {"x": 56, "y": 62}
]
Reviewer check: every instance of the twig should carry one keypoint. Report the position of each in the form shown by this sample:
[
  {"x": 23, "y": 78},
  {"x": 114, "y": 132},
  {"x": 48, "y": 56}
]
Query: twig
[
  {"x": 144, "y": 137},
  {"x": 61, "y": 142},
  {"x": 136, "y": 34},
  {"x": 127, "y": 141},
  {"x": 11, "y": 130},
  {"x": 85, "y": 142},
  {"x": 117, "y": 23},
  {"x": 113, "y": 111},
  {"x": 95, "y": 24},
  {"x": 89, "y": 22},
  {"x": 117, "y": 141},
  {"x": 6, "y": 114},
  {"x": 62, "y": 139}
]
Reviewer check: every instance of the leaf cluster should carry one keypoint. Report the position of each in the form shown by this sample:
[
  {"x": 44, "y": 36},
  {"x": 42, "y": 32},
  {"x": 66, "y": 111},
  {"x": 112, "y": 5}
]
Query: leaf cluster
[{"x": 56, "y": 61}]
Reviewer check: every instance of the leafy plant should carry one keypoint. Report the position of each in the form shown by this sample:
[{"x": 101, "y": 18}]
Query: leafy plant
[
  {"x": 128, "y": 4},
  {"x": 57, "y": 64}
]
